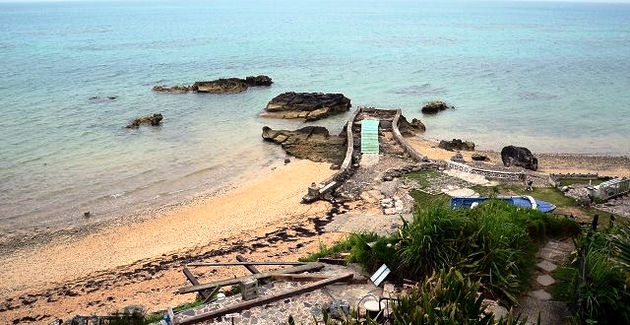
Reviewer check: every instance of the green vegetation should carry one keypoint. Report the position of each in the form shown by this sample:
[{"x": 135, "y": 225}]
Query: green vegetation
[
  {"x": 423, "y": 177},
  {"x": 595, "y": 282},
  {"x": 549, "y": 194},
  {"x": 488, "y": 249},
  {"x": 571, "y": 181},
  {"x": 156, "y": 317}
]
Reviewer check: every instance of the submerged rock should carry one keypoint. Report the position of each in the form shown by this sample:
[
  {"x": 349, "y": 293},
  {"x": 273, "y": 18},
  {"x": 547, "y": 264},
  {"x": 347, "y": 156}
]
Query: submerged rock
[
  {"x": 312, "y": 142},
  {"x": 153, "y": 119},
  {"x": 218, "y": 86},
  {"x": 309, "y": 106},
  {"x": 435, "y": 107}
]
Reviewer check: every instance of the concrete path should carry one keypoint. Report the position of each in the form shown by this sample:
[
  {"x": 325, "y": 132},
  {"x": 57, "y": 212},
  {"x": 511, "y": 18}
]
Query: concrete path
[{"x": 538, "y": 300}]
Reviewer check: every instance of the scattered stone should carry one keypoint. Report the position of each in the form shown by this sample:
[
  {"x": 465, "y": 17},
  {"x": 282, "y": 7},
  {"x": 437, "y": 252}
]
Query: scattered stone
[
  {"x": 479, "y": 157},
  {"x": 458, "y": 157},
  {"x": 519, "y": 156},
  {"x": 153, "y": 119},
  {"x": 545, "y": 280},
  {"x": 309, "y": 106},
  {"x": 86, "y": 214},
  {"x": 287, "y": 160},
  {"x": 435, "y": 107},
  {"x": 456, "y": 145}
]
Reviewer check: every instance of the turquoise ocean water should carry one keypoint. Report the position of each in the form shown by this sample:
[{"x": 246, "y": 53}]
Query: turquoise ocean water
[{"x": 554, "y": 77}]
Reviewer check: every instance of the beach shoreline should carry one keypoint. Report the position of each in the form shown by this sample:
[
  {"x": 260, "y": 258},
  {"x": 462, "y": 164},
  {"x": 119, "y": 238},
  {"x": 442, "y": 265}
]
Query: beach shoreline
[{"x": 140, "y": 262}]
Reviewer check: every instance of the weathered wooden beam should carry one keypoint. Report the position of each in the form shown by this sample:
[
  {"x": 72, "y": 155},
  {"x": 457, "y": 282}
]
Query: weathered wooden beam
[
  {"x": 205, "y": 294},
  {"x": 263, "y": 300},
  {"x": 299, "y": 277},
  {"x": 252, "y": 269},
  {"x": 296, "y": 269},
  {"x": 245, "y": 263}
]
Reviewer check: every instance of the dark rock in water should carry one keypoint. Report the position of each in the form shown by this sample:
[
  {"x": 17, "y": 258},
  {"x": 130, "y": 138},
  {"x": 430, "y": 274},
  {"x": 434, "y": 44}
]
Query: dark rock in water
[
  {"x": 98, "y": 99},
  {"x": 219, "y": 86},
  {"x": 258, "y": 81},
  {"x": 519, "y": 156},
  {"x": 309, "y": 106},
  {"x": 287, "y": 160},
  {"x": 153, "y": 119},
  {"x": 172, "y": 89},
  {"x": 312, "y": 142},
  {"x": 457, "y": 144},
  {"x": 435, "y": 107},
  {"x": 458, "y": 157},
  {"x": 410, "y": 129},
  {"x": 479, "y": 157}
]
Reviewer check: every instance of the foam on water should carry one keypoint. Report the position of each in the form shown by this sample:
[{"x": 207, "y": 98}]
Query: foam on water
[{"x": 549, "y": 76}]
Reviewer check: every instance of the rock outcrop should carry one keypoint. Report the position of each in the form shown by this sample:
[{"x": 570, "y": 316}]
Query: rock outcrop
[
  {"x": 312, "y": 142},
  {"x": 410, "y": 129},
  {"x": 479, "y": 157},
  {"x": 435, "y": 106},
  {"x": 219, "y": 86},
  {"x": 519, "y": 156},
  {"x": 309, "y": 106},
  {"x": 153, "y": 119},
  {"x": 457, "y": 144}
]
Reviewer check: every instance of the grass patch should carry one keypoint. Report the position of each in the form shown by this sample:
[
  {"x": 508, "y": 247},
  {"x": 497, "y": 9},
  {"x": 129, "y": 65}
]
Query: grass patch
[
  {"x": 564, "y": 288},
  {"x": 572, "y": 181},
  {"x": 422, "y": 198},
  {"x": 549, "y": 194},
  {"x": 423, "y": 177},
  {"x": 342, "y": 246}
]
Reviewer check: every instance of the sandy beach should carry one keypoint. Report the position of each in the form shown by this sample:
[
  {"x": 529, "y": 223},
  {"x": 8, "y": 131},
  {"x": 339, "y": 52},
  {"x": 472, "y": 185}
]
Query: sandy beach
[{"x": 141, "y": 263}]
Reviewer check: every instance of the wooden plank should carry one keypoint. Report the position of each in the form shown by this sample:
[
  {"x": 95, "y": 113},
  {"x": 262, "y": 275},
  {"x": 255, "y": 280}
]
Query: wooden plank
[
  {"x": 252, "y": 269},
  {"x": 263, "y": 300},
  {"x": 299, "y": 277},
  {"x": 296, "y": 269},
  {"x": 245, "y": 263},
  {"x": 205, "y": 294}
]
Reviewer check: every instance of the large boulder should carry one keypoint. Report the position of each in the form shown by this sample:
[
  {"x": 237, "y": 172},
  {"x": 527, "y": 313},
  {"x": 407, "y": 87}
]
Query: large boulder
[
  {"x": 410, "y": 129},
  {"x": 219, "y": 86},
  {"x": 435, "y": 107},
  {"x": 153, "y": 119},
  {"x": 457, "y": 145},
  {"x": 519, "y": 156},
  {"x": 309, "y": 106},
  {"x": 312, "y": 142}
]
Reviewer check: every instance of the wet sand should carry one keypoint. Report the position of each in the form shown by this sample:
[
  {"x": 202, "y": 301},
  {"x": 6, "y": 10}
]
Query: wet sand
[{"x": 141, "y": 263}]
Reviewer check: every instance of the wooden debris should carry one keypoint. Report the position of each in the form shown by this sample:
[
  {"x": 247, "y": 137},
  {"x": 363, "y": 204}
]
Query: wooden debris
[
  {"x": 252, "y": 269},
  {"x": 296, "y": 269},
  {"x": 333, "y": 261},
  {"x": 245, "y": 263},
  {"x": 264, "y": 300},
  {"x": 299, "y": 277},
  {"x": 205, "y": 294}
]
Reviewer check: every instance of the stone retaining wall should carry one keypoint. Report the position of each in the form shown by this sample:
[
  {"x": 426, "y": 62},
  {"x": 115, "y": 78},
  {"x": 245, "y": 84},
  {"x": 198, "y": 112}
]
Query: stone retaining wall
[
  {"x": 492, "y": 174},
  {"x": 403, "y": 143}
]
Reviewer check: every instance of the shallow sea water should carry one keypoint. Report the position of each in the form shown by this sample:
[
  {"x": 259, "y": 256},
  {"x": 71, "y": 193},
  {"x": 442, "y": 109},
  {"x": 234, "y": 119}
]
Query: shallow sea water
[{"x": 554, "y": 77}]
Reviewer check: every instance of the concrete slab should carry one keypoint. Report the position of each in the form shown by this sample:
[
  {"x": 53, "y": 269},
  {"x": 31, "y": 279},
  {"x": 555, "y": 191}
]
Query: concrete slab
[
  {"x": 540, "y": 295},
  {"x": 545, "y": 280},
  {"x": 547, "y": 266}
]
